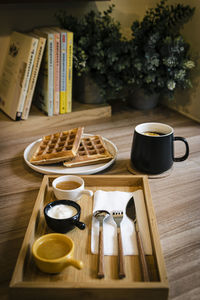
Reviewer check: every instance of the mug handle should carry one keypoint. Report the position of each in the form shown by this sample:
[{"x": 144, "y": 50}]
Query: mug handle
[
  {"x": 87, "y": 192},
  {"x": 185, "y": 156},
  {"x": 80, "y": 225}
]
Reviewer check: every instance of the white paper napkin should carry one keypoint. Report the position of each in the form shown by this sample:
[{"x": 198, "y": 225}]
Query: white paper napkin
[{"x": 116, "y": 200}]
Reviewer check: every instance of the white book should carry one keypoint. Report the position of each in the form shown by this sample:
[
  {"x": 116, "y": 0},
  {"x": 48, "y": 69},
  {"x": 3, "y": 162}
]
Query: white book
[
  {"x": 45, "y": 88},
  {"x": 34, "y": 75},
  {"x": 63, "y": 69},
  {"x": 56, "y": 80}
]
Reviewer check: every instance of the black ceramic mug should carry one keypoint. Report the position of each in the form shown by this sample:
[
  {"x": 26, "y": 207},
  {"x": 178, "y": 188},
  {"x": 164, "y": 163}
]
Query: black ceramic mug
[{"x": 153, "y": 148}]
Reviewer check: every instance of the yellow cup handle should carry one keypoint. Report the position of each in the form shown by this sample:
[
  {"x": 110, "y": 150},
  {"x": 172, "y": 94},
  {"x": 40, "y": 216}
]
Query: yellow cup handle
[{"x": 78, "y": 264}]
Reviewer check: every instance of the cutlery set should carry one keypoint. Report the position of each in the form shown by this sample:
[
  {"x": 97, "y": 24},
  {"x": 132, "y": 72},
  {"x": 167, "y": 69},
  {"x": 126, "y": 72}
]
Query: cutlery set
[{"x": 101, "y": 216}]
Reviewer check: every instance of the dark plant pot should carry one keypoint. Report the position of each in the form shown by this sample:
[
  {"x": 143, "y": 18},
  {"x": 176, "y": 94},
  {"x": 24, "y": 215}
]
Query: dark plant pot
[
  {"x": 142, "y": 101},
  {"x": 85, "y": 90}
]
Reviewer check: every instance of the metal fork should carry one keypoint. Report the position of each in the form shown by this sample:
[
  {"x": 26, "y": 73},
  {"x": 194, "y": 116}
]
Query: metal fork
[{"x": 117, "y": 217}]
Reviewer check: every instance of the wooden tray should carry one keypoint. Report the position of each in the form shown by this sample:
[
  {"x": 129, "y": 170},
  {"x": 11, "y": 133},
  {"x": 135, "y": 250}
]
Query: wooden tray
[{"x": 28, "y": 282}]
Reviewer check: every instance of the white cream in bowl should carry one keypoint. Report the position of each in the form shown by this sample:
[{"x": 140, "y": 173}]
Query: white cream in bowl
[{"x": 62, "y": 211}]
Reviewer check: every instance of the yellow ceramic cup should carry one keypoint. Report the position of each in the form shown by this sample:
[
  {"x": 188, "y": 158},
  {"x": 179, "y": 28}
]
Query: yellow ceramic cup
[{"x": 53, "y": 252}]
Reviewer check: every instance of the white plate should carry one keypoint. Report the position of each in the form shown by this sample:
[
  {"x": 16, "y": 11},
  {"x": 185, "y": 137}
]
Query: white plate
[{"x": 60, "y": 169}]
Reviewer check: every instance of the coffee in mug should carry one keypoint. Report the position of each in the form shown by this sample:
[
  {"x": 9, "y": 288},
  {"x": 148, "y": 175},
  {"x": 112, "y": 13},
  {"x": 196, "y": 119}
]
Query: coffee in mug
[
  {"x": 152, "y": 149},
  {"x": 69, "y": 187}
]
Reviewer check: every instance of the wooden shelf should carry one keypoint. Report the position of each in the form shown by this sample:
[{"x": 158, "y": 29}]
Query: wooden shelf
[
  {"x": 81, "y": 113},
  {"x": 79, "y": 110}
]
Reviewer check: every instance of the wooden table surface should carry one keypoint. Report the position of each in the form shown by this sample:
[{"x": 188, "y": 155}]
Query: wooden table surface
[{"x": 176, "y": 198}]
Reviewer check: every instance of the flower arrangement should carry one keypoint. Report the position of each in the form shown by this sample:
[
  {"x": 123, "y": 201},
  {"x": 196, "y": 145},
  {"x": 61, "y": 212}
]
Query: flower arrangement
[{"x": 155, "y": 59}]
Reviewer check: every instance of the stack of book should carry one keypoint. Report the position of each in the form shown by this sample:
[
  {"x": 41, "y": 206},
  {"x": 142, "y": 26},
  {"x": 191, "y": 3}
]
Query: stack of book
[
  {"x": 38, "y": 65},
  {"x": 54, "y": 89}
]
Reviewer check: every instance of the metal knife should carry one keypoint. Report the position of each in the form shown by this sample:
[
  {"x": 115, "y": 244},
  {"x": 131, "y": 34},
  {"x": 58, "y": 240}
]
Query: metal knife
[{"x": 131, "y": 213}]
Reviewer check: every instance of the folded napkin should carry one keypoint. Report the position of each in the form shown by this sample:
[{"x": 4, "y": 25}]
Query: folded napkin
[{"x": 116, "y": 200}]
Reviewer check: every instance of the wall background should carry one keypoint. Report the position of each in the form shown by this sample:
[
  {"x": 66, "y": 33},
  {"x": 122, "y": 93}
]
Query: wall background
[{"x": 24, "y": 17}]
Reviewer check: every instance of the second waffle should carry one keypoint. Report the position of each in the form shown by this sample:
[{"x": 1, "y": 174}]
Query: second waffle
[{"x": 92, "y": 150}]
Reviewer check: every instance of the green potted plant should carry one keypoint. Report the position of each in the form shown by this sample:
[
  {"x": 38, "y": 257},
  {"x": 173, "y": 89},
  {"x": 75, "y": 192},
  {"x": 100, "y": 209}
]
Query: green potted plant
[
  {"x": 154, "y": 61},
  {"x": 160, "y": 59},
  {"x": 101, "y": 54}
]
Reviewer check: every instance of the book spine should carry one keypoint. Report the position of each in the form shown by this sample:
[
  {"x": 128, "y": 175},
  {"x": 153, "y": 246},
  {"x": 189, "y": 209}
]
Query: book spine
[
  {"x": 34, "y": 76},
  {"x": 50, "y": 61},
  {"x": 56, "y": 73},
  {"x": 26, "y": 79},
  {"x": 69, "y": 70},
  {"x": 41, "y": 92},
  {"x": 63, "y": 76}
]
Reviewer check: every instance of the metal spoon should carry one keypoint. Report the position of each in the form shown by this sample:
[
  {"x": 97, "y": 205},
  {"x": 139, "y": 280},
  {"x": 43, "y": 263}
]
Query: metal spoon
[{"x": 101, "y": 215}]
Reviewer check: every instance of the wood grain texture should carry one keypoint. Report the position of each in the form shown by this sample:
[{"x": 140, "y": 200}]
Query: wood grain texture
[{"x": 175, "y": 198}]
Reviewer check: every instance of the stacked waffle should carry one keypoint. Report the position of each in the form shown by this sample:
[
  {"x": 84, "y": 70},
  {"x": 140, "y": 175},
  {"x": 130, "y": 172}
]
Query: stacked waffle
[{"x": 71, "y": 148}]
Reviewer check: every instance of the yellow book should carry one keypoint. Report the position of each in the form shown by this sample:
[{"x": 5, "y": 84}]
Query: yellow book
[
  {"x": 69, "y": 70},
  {"x": 66, "y": 70}
]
